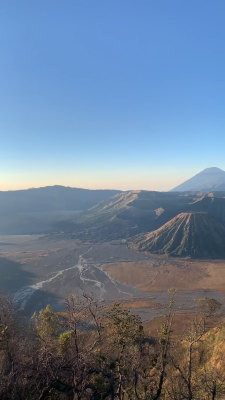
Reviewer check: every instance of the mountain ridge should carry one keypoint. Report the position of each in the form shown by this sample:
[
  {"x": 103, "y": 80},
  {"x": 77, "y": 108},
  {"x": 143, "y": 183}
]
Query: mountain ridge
[
  {"x": 52, "y": 197},
  {"x": 36, "y": 210},
  {"x": 130, "y": 213}
]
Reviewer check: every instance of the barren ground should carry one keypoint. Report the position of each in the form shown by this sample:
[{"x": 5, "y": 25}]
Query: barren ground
[
  {"x": 36, "y": 270},
  {"x": 162, "y": 274}
]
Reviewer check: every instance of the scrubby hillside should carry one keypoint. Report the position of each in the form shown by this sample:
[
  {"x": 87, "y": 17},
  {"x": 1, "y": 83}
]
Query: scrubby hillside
[{"x": 93, "y": 351}]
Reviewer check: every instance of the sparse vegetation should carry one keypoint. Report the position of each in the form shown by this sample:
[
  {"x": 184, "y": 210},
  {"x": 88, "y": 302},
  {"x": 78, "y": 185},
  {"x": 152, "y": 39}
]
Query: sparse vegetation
[{"x": 96, "y": 352}]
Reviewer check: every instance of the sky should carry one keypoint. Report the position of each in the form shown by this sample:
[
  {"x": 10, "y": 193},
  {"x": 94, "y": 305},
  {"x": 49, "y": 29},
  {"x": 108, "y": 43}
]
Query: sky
[{"x": 126, "y": 94}]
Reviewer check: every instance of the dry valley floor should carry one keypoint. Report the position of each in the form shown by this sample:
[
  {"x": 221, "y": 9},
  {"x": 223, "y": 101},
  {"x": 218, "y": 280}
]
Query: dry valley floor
[{"x": 36, "y": 270}]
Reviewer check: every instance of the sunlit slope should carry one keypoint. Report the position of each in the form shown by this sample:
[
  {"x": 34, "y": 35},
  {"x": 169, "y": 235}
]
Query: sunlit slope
[
  {"x": 189, "y": 234},
  {"x": 128, "y": 213}
]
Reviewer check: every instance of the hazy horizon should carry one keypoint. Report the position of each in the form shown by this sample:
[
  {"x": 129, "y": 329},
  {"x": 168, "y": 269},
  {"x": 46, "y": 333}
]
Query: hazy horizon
[
  {"x": 122, "y": 95},
  {"x": 118, "y": 185}
]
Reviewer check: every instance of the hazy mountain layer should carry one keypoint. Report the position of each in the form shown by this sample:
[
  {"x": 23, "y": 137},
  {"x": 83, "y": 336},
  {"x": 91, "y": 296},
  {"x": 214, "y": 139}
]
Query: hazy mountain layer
[
  {"x": 189, "y": 234},
  {"x": 37, "y": 210},
  {"x": 101, "y": 214},
  {"x": 51, "y": 198}
]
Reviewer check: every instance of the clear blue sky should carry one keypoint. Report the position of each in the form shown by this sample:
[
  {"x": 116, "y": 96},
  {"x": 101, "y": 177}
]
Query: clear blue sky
[{"x": 111, "y": 93}]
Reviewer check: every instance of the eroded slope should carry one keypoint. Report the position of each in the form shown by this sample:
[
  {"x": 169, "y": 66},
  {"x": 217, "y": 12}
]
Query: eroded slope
[{"x": 189, "y": 234}]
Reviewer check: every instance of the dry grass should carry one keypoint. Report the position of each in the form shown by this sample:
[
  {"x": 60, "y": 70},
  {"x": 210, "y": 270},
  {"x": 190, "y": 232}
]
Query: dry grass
[
  {"x": 181, "y": 326},
  {"x": 163, "y": 274},
  {"x": 139, "y": 304}
]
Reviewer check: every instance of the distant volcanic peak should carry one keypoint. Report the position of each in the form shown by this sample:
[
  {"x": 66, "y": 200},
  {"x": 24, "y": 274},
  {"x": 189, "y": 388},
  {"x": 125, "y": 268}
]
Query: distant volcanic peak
[
  {"x": 189, "y": 234},
  {"x": 208, "y": 180},
  {"x": 213, "y": 170}
]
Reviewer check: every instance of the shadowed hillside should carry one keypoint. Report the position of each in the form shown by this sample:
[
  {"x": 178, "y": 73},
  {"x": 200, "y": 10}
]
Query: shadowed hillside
[
  {"x": 189, "y": 234},
  {"x": 212, "y": 204},
  {"x": 51, "y": 198},
  {"x": 130, "y": 213},
  {"x": 127, "y": 214},
  {"x": 37, "y": 210}
]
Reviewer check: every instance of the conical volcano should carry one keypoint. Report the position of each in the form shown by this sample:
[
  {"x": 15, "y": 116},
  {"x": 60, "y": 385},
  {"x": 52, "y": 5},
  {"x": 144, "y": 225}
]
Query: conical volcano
[
  {"x": 189, "y": 234},
  {"x": 208, "y": 180}
]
